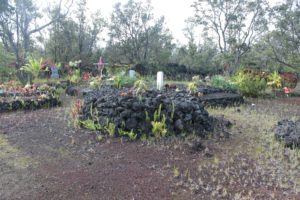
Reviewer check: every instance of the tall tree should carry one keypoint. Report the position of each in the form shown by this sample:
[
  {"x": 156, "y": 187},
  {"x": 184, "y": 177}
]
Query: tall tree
[
  {"x": 236, "y": 24},
  {"x": 136, "y": 36},
  {"x": 75, "y": 37},
  {"x": 285, "y": 39},
  {"x": 18, "y": 28}
]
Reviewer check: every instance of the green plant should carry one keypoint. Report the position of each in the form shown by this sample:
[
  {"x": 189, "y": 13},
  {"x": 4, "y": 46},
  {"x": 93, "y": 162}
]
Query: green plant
[
  {"x": 7, "y": 73},
  {"x": 147, "y": 116},
  {"x": 249, "y": 84},
  {"x": 130, "y": 134},
  {"x": 222, "y": 82},
  {"x": 111, "y": 129},
  {"x": 156, "y": 115},
  {"x": 122, "y": 80},
  {"x": 159, "y": 128},
  {"x": 95, "y": 82},
  {"x": 91, "y": 125},
  {"x": 196, "y": 79},
  {"x": 33, "y": 66},
  {"x": 140, "y": 86},
  {"x": 192, "y": 87},
  {"x": 173, "y": 110},
  {"x": 176, "y": 172},
  {"x": 75, "y": 77},
  {"x": 274, "y": 80}
]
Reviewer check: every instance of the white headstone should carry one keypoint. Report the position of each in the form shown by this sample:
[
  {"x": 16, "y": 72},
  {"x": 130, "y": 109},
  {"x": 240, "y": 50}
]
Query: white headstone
[
  {"x": 131, "y": 73},
  {"x": 160, "y": 80}
]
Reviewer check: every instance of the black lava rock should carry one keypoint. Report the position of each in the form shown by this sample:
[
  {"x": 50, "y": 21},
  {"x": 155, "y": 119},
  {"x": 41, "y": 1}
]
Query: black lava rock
[
  {"x": 288, "y": 132},
  {"x": 183, "y": 113}
]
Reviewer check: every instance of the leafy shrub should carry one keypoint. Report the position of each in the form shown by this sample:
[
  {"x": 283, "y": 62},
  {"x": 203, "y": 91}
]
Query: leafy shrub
[
  {"x": 192, "y": 87},
  {"x": 274, "y": 80},
  {"x": 95, "y": 82},
  {"x": 122, "y": 80},
  {"x": 159, "y": 128},
  {"x": 7, "y": 73},
  {"x": 249, "y": 84},
  {"x": 75, "y": 77},
  {"x": 222, "y": 82},
  {"x": 140, "y": 86},
  {"x": 33, "y": 66}
]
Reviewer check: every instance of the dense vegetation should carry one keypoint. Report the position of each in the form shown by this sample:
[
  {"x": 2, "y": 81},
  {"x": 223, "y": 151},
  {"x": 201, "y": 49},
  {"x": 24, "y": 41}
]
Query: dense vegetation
[{"x": 251, "y": 33}]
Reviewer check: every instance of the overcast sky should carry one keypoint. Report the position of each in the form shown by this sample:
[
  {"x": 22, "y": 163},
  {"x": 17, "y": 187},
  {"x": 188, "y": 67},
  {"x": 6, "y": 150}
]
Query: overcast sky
[{"x": 175, "y": 12}]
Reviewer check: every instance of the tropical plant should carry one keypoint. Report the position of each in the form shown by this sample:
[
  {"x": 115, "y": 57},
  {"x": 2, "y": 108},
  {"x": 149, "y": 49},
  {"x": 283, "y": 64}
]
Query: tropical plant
[
  {"x": 140, "y": 86},
  {"x": 75, "y": 77},
  {"x": 95, "y": 82},
  {"x": 33, "y": 66},
  {"x": 222, "y": 82},
  {"x": 192, "y": 87},
  {"x": 248, "y": 83},
  {"x": 274, "y": 80},
  {"x": 130, "y": 134},
  {"x": 90, "y": 124},
  {"x": 111, "y": 129},
  {"x": 122, "y": 80},
  {"x": 159, "y": 128}
]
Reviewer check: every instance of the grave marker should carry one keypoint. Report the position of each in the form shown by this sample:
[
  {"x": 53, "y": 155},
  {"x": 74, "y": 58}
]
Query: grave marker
[
  {"x": 131, "y": 74},
  {"x": 160, "y": 80},
  {"x": 54, "y": 72}
]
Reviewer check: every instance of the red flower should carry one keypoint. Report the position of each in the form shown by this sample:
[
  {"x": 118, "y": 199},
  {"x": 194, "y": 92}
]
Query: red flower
[
  {"x": 287, "y": 90},
  {"x": 86, "y": 76}
]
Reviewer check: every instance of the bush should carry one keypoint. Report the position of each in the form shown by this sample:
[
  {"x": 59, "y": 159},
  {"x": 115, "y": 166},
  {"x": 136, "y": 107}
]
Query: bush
[
  {"x": 33, "y": 66},
  {"x": 123, "y": 80},
  {"x": 7, "y": 73},
  {"x": 249, "y": 84},
  {"x": 222, "y": 82}
]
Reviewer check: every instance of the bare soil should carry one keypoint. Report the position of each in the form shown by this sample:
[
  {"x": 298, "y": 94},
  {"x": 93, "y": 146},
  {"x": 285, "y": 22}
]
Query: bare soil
[{"x": 43, "y": 157}]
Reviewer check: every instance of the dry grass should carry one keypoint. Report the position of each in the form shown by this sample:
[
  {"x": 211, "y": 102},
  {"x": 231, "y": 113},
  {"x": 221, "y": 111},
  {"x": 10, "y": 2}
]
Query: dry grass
[{"x": 251, "y": 164}]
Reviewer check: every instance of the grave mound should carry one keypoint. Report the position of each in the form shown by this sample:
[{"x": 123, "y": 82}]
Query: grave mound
[{"x": 183, "y": 113}]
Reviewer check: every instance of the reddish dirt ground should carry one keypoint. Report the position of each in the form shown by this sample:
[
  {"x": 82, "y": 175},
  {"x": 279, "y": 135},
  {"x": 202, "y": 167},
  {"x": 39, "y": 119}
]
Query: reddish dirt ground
[{"x": 43, "y": 157}]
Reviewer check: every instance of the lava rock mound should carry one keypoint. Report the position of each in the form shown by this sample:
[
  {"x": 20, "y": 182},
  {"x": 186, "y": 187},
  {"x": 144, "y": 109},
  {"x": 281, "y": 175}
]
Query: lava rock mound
[
  {"x": 184, "y": 114},
  {"x": 289, "y": 132}
]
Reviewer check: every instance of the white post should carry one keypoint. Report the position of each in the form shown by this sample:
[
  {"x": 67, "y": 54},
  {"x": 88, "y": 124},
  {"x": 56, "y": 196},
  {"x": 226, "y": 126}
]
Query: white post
[
  {"x": 160, "y": 80},
  {"x": 131, "y": 74}
]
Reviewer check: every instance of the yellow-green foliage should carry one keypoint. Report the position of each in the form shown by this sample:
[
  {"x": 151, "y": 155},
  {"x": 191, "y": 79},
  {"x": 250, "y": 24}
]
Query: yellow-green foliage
[
  {"x": 111, "y": 129},
  {"x": 90, "y": 124},
  {"x": 249, "y": 84},
  {"x": 141, "y": 86},
  {"x": 274, "y": 80},
  {"x": 159, "y": 128},
  {"x": 95, "y": 82},
  {"x": 192, "y": 87},
  {"x": 130, "y": 134},
  {"x": 75, "y": 77},
  {"x": 33, "y": 66},
  {"x": 122, "y": 79}
]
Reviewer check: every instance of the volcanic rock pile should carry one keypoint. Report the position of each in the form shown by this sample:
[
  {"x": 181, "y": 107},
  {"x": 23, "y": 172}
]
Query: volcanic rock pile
[
  {"x": 183, "y": 113},
  {"x": 288, "y": 132}
]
